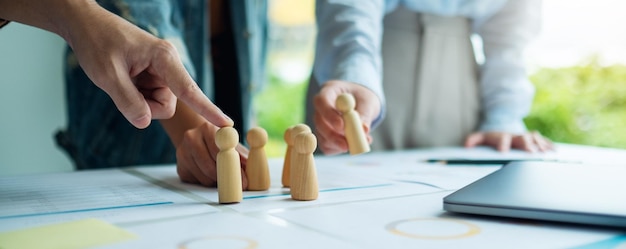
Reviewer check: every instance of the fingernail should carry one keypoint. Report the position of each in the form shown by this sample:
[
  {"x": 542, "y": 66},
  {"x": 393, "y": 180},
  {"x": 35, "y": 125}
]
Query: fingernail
[
  {"x": 143, "y": 121},
  {"x": 230, "y": 121}
]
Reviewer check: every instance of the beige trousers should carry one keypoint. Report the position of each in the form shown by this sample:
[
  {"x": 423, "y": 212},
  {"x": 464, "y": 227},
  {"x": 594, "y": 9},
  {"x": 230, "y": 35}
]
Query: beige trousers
[{"x": 430, "y": 82}]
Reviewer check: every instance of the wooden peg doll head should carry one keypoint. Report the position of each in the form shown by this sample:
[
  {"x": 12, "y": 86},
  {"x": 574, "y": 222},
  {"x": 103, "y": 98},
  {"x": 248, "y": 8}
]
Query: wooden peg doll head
[
  {"x": 305, "y": 143},
  {"x": 345, "y": 102},
  {"x": 226, "y": 137},
  {"x": 256, "y": 137},
  {"x": 297, "y": 129}
]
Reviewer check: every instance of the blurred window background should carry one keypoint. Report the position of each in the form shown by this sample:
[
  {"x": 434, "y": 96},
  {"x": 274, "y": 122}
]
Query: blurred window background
[{"x": 577, "y": 64}]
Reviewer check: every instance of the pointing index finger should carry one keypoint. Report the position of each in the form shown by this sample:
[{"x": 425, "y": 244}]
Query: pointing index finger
[{"x": 168, "y": 64}]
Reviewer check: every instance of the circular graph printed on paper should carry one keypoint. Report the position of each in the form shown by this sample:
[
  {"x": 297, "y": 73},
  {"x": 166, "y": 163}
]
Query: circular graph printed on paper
[
  {"x": 223, "y": 242},
  {"x": 433, "y": 228}
]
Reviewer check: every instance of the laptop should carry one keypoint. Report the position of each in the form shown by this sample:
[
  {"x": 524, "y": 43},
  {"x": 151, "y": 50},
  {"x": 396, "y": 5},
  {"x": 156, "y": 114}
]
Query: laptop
[{"x": 562, "y": 192}]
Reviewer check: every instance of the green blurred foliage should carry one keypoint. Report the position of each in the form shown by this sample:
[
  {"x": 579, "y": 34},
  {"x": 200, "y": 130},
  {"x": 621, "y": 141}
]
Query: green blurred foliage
[
  {"x": 278, "y": 107},
  {"x": 584, "y": 104}
]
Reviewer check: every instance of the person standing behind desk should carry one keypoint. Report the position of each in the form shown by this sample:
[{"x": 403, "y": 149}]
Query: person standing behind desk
[
  {"x": 97, "y": 135},
  {"x": 413, "y": 64}
]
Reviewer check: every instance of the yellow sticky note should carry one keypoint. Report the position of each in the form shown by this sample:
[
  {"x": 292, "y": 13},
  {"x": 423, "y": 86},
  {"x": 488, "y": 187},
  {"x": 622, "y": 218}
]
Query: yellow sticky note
[{"x": 70, "y": 235}]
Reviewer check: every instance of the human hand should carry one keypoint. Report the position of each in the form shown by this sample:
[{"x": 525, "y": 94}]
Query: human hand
[
  {"x": 502, "y": 141},
  {"x": 329, "y": 127},
  {"x": 196, "y": 157},
  {"x": 142, "y": 74}
]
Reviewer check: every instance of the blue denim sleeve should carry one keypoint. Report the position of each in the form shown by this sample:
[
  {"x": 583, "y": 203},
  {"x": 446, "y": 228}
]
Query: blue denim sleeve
[{"x": 348, "y": 44}]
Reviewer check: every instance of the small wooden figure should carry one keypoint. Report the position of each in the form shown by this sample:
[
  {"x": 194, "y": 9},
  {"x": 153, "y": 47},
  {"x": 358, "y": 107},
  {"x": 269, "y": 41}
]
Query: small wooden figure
[
  {"x": 228, "y": 166},
  {"x": 355, "y": 135},
  {"x": 287, "y": 163},
  {"x": 297, "y": 129},
  {"x": 289, "y": 136},
  {"x": 304, "y": 186},
  {"x": 257, "y": 169}
]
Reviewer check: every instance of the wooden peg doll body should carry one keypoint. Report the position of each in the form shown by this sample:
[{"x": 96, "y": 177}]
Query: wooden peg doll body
[
  {"x": 257, "y": 169},
  {"x": 228, "y": 166},
  {"x": 355, "y": 135}
]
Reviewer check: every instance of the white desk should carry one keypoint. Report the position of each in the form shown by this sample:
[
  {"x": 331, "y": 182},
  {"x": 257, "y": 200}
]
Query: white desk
[{"x": 376, "y": 200}]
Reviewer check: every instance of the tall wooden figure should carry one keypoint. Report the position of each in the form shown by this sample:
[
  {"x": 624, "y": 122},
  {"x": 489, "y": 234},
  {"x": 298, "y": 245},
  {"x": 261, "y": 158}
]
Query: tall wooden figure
[
  {"x": 229, "y": 188},
  {"x": 355, "y": 135},
  {"x": 285, "y": 180},
  {"x": 257, "y": 169},
  {"x": 304, "y": 186}
]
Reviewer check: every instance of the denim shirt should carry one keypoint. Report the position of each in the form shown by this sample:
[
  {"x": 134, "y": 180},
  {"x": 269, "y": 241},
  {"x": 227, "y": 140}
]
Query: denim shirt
[{"x": 98, "y": 136}]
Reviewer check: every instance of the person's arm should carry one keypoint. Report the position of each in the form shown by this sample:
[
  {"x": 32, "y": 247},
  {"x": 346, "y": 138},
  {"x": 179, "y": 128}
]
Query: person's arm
[
  {"x": 506, "y": 92},
  {"x": 347, "y": 59},
  {"x": 141, "y": 73}
]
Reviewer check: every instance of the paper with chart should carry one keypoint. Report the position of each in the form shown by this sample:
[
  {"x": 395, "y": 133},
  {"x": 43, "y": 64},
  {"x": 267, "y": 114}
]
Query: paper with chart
[
  {"x": 420, "y": 222},
  {"x": 346, "y": 178},
  {"x": 337, "y": 183},
  {"x": 409, "y": 167},
  {"x": 228, "y": 230},
  {"x": 375, "y": 200},
  {"x": 40, "y": 199}
]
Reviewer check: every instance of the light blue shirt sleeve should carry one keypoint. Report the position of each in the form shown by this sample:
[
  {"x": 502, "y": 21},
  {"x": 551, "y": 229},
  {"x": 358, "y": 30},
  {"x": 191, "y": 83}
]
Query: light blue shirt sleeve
[
  {"x": 507, "y": 94},
  {"x": 349, "y": 43}
]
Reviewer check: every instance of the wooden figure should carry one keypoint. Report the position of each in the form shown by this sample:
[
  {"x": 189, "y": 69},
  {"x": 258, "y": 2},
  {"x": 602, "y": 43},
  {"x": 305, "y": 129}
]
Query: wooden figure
[
  {"x": 355, "y": 135},
  {"x": 304, "y": 186},
  {"x": 287, "y": 163},
  {"x": 228, "y": 166},
  {"x": 297, "y": 129},
  {"x": 289, "y": 136},
  {"x": 257, "y": 169}
]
